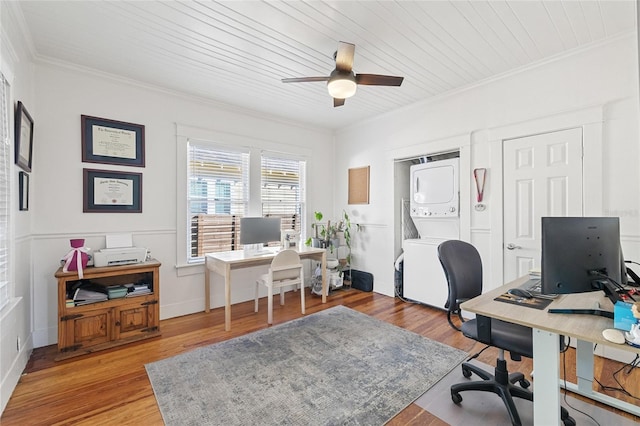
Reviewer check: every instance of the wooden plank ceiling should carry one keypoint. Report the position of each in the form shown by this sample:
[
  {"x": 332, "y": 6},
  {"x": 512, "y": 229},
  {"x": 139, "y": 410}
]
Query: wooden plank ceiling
[{"x": 236, "y": 52}]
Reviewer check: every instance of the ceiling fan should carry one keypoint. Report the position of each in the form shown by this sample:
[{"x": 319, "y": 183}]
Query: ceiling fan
[{"x": 342, "y": 81}]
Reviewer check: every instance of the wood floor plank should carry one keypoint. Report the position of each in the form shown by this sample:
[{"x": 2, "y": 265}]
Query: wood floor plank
[{"x": 112, "y": 387}]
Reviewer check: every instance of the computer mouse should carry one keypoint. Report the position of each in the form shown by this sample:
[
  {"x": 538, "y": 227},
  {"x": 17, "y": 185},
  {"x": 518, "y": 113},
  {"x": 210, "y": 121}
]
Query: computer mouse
[
  {"x": 520, "y": 292},
  {"x": 613, "y": 335}
]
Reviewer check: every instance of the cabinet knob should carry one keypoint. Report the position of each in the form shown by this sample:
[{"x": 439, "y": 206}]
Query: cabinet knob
[{"x": 117, "y": 323}]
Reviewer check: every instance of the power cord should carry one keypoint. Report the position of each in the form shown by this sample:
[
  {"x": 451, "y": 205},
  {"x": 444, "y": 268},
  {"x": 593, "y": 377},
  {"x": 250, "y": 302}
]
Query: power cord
[
  {"x": 614, "y": 282},
  {"x": 478, "y": 354},
  {"x": 630, "y": 367}
]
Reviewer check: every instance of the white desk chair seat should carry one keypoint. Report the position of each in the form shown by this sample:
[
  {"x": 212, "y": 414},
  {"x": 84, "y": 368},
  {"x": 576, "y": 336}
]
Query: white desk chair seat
[{"x": 286, "y": 270}]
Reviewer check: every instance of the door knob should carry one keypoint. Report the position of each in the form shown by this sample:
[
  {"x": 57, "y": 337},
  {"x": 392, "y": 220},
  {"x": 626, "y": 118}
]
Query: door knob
[{"x": 512, "y": 246}]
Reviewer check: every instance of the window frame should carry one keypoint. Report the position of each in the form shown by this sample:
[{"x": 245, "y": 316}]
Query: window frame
[
  {"x": 302, "y": 181},
  {"x": 6, "y": 289},
  {"x": 222, "y": 140}
]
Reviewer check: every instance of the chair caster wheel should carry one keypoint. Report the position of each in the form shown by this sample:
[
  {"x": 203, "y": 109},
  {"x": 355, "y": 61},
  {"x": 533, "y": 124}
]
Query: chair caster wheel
[
  {"x": 524, "y": 383},
  {"x": 456, "y": 398},
  {"x": 466, "y": 372},
  {"x": 567, "y": 420}
]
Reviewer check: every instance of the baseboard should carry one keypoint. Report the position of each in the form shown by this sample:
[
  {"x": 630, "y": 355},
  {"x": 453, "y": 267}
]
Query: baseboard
[{"x": 10, "y": 382}]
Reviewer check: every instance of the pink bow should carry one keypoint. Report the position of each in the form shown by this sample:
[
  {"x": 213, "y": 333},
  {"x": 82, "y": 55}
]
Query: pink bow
[{"x": 69, "y": 257}]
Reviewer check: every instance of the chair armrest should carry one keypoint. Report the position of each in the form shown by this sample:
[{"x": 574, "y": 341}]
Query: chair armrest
[{"x": 484, "y": 329}]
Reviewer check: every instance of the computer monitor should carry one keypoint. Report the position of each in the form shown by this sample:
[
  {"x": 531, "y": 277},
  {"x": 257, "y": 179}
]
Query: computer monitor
[
  {"x": 259, "y": 230},
  {"x": 581, "y": 254}
]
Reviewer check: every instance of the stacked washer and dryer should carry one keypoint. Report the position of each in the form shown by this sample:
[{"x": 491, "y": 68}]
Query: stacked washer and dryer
[{"x": 434, "y": 207}]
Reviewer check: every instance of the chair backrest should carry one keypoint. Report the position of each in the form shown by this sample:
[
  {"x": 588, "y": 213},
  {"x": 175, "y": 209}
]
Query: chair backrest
[
  {"x": 286, "y": 266},
  {"x": 463, "y": 268}
]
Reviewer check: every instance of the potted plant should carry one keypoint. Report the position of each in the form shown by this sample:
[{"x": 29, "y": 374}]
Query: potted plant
[
  {"x": 320, "y": 232},
  {"x": 327, "y": 236},
  {"x": 346, "y": 220}
]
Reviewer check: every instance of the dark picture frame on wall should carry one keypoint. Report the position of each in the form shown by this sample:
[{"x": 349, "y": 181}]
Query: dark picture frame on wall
[
  {"x": 112, "y": 191},
  {"x": 107, "y": 141},
  {"x": 23, "y": 191},
  {"x": 23, "y": 137}
]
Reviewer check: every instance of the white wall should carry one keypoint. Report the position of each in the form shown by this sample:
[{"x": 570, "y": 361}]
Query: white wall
[
  {"x": 63, "y": 95},
  {"x": 547, "y": 97},
  {"x": 15, "y": 319}
]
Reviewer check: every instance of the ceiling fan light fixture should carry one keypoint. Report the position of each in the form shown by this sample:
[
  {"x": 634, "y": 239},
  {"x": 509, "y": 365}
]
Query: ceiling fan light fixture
[{"x": 342, "y": 85}]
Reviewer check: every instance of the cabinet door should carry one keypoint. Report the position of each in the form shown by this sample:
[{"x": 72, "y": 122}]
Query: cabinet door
[
  {"x": 86, "y": 329},
  {"x": 136, "y": 319}
]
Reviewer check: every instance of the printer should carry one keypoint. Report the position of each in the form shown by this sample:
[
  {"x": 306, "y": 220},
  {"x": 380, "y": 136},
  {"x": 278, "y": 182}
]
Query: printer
[{"x": 119, "y": 251}]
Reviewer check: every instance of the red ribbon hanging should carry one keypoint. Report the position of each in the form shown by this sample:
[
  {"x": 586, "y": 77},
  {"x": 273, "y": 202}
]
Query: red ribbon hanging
[{"x": 478, "y": 175}]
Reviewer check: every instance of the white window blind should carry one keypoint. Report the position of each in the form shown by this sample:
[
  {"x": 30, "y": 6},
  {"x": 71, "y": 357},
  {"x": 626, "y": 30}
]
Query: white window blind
[
  {"x": 282, "y": 190},
  {"x": 4, "y": 193},
  {"x": 217, "y": 198}
]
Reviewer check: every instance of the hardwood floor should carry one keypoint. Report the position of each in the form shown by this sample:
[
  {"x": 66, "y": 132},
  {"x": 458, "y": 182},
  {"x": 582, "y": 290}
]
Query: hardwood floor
[{"x": 111, "y": 387}]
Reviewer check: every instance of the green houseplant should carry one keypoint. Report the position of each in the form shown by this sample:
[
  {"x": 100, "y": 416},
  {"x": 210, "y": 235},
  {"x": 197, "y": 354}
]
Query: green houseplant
[{"x": 327, "y": 235}]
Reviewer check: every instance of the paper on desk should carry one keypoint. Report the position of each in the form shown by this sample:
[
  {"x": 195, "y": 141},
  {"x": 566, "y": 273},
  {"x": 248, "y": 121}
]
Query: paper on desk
[{"x": 119, "y": 240}]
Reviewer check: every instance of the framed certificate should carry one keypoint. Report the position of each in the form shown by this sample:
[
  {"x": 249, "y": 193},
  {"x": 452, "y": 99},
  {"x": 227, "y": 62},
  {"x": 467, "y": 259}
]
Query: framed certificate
[
  {"x": 23, "y": 187},
  {"x": 112, "y": 142},
  {"x": 23, "y": 137},
  {"x": 112, "y": 192}
]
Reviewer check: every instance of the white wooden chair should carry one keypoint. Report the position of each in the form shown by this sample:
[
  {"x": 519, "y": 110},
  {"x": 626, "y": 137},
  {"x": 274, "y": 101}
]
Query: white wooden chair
[{"x": 286, "y": 270}]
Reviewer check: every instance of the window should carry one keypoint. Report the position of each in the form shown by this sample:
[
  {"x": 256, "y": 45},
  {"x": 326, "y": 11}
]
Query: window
[
  {"x": 218, "y": 196},
  {"x": 282, "y": 190},
  {"x": 5, "y": 153}
]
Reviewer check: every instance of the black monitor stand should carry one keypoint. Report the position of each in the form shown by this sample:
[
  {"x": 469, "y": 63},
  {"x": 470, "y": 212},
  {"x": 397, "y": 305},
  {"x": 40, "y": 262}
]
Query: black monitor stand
[{"x": 609, "y": 289}]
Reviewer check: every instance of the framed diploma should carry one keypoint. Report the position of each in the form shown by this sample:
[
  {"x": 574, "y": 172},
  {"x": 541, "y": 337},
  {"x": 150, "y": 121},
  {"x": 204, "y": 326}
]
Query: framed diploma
[
  {"x": 112, "y": 192},
  {"x": 23, "y": 137},
  {"x": 112, "y": 142},
  {"x": 23, "y": 187}
]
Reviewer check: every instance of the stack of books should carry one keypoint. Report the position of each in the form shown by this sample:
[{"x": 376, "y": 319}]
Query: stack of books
[
  {"x": 116, "y": 291},
  {"x": 137, "y": 289},
  {"x": 84, "y": 296}
]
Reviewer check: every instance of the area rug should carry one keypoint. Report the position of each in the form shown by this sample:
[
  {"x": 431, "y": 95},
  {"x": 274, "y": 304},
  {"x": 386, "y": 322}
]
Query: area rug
[{"x": 334, "y": 367}]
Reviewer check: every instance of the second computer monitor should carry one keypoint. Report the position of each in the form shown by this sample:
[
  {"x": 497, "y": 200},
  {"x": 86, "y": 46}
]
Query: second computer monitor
[
  {"x": 580, "y": 254},
  {"x": 259, "y": 230}
]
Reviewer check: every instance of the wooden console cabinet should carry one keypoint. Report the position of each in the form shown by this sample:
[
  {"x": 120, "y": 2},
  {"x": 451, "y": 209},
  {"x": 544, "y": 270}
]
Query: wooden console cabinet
[{"x": 87, "y": 328}]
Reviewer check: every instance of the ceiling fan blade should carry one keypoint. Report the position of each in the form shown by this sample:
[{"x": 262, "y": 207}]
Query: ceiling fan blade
[
  {"x": 378, "y": 80},
  {"x": 344, "y": 56},
  {"x": 304, "y": 79},
  {"x": 338, "y": 102}
]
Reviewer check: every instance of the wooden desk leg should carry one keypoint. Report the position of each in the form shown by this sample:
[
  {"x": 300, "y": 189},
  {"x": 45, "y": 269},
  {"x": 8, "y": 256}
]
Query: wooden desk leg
[
  {"x": 227, "y": 298},
  {"x": 546, "y": 364},
  {"x": 207, "y": 289},
  {"x": 325, "y": 287}
]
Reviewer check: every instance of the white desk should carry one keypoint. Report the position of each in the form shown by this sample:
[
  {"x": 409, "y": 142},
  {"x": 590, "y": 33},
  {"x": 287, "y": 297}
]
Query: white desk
[
  {"x": 587, "y": 329},
  {"x": 222, "y": 263}
]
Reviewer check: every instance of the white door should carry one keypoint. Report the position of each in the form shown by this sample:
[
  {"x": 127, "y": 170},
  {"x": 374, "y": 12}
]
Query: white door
[{"x": 542, "y": 177}]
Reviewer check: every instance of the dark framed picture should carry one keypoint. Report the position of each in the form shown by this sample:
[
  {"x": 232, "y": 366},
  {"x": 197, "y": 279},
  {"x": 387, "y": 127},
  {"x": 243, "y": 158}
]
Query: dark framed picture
[
  {"x": 24, "y": 137},
  {"x": 23, "y": 189},
  {"x": 112, "y": 142},
  {"x": 112, "y": 192}
]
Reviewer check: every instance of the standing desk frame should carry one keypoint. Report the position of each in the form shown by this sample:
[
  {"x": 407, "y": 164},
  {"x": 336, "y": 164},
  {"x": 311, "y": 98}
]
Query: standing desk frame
[{"x": 586, "y": 329}]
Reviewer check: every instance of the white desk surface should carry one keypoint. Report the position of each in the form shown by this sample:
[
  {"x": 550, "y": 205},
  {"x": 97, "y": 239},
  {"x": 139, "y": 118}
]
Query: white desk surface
[{"x": 239, "y": 256}]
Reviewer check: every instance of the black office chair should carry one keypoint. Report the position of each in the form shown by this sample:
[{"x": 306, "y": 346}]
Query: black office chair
[{"x": 463, "y": 268}]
